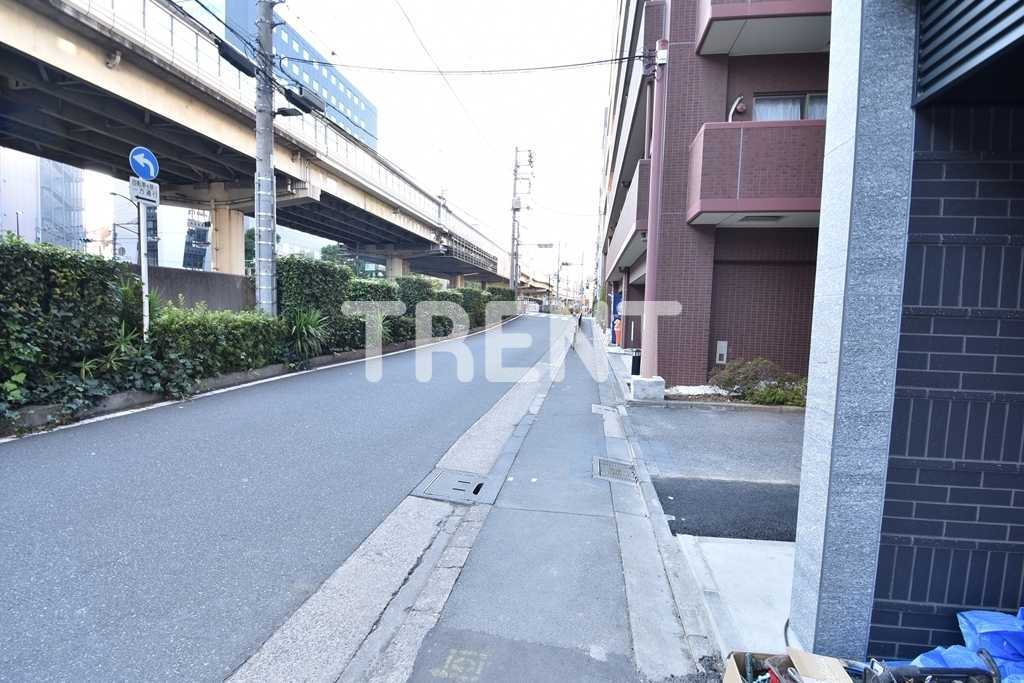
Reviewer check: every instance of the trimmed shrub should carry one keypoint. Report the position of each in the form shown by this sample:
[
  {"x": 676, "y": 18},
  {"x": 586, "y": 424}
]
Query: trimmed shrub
[
  {"x": 452, "y": 295},
  {"x": 350, "y": 333},
  {"x": 57, "y": 308},
  {"x": 303, "y": 282},
  {"x": 379, "y": 289},
  {"x": 440, "y": 325},
  {"x": 475, "y": 303},
  {"x": 412, "y": 291},
  {"x": 741, "y": 377},
  {"x": 400, "y": 329},
  {"x": 790, "y": 391},
  {"x": 216, "y": 342},
  {"x": 501, "y": 294},
  {"x": 759, "y": 380}
]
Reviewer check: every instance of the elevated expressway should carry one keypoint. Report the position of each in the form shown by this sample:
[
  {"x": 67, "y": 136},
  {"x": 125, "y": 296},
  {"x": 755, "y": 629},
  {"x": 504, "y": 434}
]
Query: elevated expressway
[{"x": 83, "y": 81}]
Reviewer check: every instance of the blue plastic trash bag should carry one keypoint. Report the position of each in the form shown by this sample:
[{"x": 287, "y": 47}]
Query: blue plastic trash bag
[
  {"x": 953, "y": 657},
  {"x": 1001, "y": 634}
]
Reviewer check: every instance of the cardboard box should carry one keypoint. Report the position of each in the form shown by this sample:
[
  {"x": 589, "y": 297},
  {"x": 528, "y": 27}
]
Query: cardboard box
[
  {"x": 736, "y": 665},
  {"x": 817, "y": 669},
  {"x": 811, "y": 667}
]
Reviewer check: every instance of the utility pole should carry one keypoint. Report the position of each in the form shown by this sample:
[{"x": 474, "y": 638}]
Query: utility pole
[
  {"x": 558, "y": 275},
  {"x": 518, "y": 176},
  {"x": 266, "y": 191}
]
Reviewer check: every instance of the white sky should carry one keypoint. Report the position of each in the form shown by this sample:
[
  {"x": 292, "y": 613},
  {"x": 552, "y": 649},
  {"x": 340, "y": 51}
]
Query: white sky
[{"x": 468, "y": 153}]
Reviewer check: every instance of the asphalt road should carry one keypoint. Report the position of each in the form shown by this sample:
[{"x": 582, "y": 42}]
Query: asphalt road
[
  {"x": 729, "y": 509},
  {"x": 170, "y": 543}
]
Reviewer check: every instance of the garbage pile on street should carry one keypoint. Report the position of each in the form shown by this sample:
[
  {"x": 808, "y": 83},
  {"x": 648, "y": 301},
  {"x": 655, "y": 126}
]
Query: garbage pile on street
[{"x": 993, "y": 652}]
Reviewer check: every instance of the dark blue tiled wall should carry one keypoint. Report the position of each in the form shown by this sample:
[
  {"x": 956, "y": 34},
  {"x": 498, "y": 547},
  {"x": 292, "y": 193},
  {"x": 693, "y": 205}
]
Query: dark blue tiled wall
[{"x": 953, "y": 524}]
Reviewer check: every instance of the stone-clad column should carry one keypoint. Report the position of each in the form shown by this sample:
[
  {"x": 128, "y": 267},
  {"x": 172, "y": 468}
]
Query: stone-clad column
[
  {"x": 228, "y": 240},
  {"x": 855, "y": 333}
]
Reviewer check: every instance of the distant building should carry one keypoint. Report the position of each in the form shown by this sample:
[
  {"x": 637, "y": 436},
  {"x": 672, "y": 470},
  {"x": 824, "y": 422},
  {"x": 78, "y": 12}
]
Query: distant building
[
  {"x": 301, "y": 65},
  {"x": 41, "y": 200}
]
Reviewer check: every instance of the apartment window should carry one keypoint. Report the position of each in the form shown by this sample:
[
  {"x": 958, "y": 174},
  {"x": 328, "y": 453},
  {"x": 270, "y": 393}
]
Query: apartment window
[
  {"x": 817, "y": 104},
  {"x": 305, "y": 78},
  {"x": 778, "y": 108},
  {"x": 295, "y": 69},
  {"x": 334, "y": 81},
  {"x": 305, "y": 54},
  {"x": 295, "y": 46},
  {"x": 284, "y": 36},
  {"x": 790, "y": 107}
]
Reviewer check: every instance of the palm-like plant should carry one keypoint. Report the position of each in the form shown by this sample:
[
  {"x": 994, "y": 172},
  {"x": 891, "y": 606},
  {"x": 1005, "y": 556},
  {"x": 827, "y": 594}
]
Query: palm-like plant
[{"x": 308, "y": 332}]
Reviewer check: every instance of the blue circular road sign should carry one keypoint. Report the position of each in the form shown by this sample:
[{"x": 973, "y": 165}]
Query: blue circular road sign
[{"x": 144, "y": 163}]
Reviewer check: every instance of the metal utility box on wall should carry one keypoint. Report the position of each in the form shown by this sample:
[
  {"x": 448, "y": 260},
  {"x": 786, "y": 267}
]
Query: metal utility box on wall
[{"x": 721, "y": 352}]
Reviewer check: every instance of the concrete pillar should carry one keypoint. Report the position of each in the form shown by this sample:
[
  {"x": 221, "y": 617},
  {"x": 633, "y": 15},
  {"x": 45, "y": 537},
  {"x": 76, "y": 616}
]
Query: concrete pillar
[
  {"x": 227, "y": 237},
  {"x": 684, "y": 264},
  {"x": 395, "y": 267},
  {"x": 457, "y": 281},
  {"x": 855, "y": 334}
]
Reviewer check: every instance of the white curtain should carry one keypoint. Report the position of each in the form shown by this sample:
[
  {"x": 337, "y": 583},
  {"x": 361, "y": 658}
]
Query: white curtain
[
  {"x": 816, "y": 106},
  {"x": 777, "y": 108}
]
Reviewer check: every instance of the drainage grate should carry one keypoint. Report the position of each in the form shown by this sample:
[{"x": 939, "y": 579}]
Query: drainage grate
[
  {"x": 451, "y": 485},
  {"x": 614, "y": 470}
]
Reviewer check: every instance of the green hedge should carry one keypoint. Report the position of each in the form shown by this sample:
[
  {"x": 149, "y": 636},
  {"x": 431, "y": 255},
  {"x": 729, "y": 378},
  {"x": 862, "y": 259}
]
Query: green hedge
[
  {"x": 452, "y": 295},
  {"x": 219, "y": 341},
  {"x": 412, "y": 291},
  {"x": 57, "y": 308},
  {"x": 501, "y": 294},
  {"x": 441, "y": 325},
  {"x": 475, "y": 303},
  {"x": 400, "y": 329},
  {"x": 303, "y": 282},
  {"x": 377, "y": 289}
]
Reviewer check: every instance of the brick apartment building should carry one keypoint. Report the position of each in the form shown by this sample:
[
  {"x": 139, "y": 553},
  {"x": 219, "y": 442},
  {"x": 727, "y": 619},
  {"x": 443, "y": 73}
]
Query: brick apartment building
[
  {"x": 912, "y": 261},
  {"x": 744, "y": 134}
]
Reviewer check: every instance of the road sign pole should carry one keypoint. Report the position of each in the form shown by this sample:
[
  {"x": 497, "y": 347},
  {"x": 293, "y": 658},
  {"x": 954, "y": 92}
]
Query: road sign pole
[
  {"x": 144, "y": 266},
  {"x": 145, "y": 193}
]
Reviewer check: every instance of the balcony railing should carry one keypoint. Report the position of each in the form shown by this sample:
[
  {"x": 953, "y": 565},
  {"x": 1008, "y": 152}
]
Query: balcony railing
[
  {"x": 632, "y": 223},
  {"x": 741, "y": 169},
  {"x": 762, "y": 27}
]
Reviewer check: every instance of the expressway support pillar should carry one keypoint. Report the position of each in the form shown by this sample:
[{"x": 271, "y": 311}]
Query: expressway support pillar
[
  {"x": 457, "y": 281},
  {"x": 394, "y": 266},
  {"x": 228, "y": 241}
]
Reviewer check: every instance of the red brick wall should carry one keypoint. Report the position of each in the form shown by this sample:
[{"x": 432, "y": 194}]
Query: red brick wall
[
  {"x": 765, "y": 74},
  {"x": 763, "y": 289},
  {"x": 696, "y": 92}
]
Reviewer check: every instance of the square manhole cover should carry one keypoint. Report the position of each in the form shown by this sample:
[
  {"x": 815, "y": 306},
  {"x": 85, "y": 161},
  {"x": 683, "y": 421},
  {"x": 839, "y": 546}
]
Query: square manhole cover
[
  {"x": 451, "y": 485},
  {"x": 615, "y": 470}
]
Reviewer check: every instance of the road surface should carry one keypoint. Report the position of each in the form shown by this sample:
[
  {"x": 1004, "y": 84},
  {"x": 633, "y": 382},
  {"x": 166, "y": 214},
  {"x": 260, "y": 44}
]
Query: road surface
[{"x": 170, "y": 543}]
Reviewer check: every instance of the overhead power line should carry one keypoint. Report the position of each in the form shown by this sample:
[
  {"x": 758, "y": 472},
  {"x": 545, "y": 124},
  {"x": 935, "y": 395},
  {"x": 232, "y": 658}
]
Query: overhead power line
[{"x": 474, "y": 72}]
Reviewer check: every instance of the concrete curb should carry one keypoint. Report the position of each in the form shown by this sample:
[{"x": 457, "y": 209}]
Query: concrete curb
[
  {"x": 37, "y": 418},
  {"x": 716, "y": 405},
  {"x": 699, "y": 632}
]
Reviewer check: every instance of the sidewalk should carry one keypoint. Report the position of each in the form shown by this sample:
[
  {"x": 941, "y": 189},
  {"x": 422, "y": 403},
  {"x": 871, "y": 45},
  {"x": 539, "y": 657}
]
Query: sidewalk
[
  {"x": 564, "y": 579},
  {"x": 728, "y": 478},
  {"x": 542, "y": 596}
]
